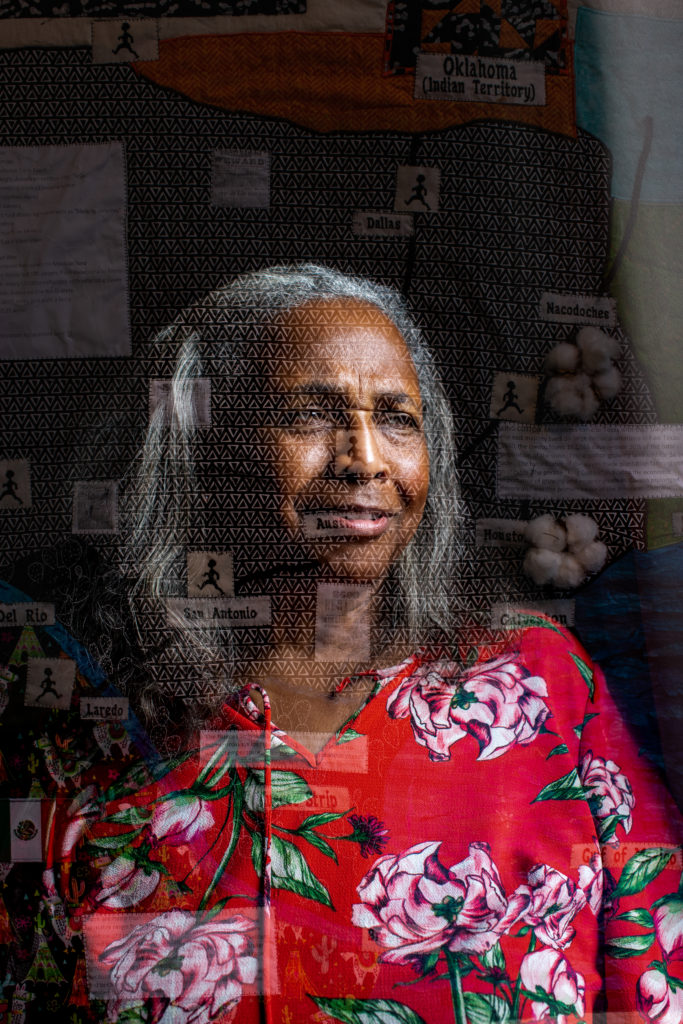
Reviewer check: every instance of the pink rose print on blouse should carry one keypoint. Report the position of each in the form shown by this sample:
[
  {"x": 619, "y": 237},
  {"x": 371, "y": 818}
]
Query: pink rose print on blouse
[
  {"x": 499, "y": 703},
  {"x": 610, "y": 796},
  {"x": 668, "y": 918},
  {"x": 551, "y": 973},
  {"x": 657, "y": 1001},
  {"x": 177, "y": 821},
  {"x": 181, "y": 970},
  {"x": 555, "y": 901},
  {"x": 591, "y": 881},
  {"x": 129, "y": 879},
  {"x": 414, "y": 905}
]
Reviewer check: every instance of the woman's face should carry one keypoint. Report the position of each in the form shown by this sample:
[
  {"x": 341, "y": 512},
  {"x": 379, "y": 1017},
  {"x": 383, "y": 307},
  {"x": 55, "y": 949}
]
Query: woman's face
[{"x": 350, "y": 457}]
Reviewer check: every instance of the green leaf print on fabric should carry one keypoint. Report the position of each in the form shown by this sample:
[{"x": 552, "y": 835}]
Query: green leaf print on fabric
[
  {"x": 348, "y": 735},
  {"x": 586, "y": 674},
  {"x": 624, "y": 946},
  {"x": 638, "y": 916},
  {"x": 561, "y": 748},
  {"x": 486, "y": 1009},
  {"x": 568, "y": 787},
  {"x": 641, "y": 869},
  {"x": 527, "y": 621},
  {"x": 578, "y": 729},
  {"x": 289, "y": 869},
  {"x": 368, "y": 1011},
  {"x": 286, "y": 788}
]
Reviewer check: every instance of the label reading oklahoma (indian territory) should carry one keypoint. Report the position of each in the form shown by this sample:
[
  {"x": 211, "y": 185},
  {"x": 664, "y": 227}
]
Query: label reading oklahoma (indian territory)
[
  {"x": 468, "y": 79},
  {"x": 596, "y": 310}
]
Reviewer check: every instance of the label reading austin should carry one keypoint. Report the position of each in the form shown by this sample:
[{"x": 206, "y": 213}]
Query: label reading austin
[{"x": 479, "y": 79}]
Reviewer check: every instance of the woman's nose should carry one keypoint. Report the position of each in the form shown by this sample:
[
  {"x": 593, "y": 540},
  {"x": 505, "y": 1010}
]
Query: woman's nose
[{"x": 359, "y": 450}]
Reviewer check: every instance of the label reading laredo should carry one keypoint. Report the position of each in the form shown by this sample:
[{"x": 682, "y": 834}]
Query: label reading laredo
[
  {"x": 27, "y": 614},
  {"x": 375, "y": 222},
  {"x": 596, "y": 310},
  {"x": 104, "y": 709},
  {"x": 236, "y": 612},
  {"x": 479, "y": 79}
]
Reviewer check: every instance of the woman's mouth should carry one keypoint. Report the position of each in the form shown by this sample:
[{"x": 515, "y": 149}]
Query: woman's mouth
[{"x": 346, "y": 522}]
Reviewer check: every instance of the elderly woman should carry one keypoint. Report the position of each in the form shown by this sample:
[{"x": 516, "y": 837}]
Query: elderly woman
[{"x": 368, "y": 824}]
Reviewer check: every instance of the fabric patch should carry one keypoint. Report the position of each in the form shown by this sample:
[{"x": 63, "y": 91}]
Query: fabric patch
[
  {"x": 95, "y": 507},
  {"x": 120, "y": 41},
  {"x": 337, "y": 604},
  {"x": 49, "y": 683},
  {"x": 64, "y": 285},
  {"x": 417, "y": 189},
  {"x": 15, "y": 484},
  {"x": 241, "y": 178},
  {"x": 513, "y": 397},
  {"x": 209, "y": 572},
  {"x": 161, "y": 393}
]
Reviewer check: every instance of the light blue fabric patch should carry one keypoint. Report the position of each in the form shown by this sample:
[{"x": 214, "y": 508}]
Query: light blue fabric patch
[{"x": 629, "y": 67}]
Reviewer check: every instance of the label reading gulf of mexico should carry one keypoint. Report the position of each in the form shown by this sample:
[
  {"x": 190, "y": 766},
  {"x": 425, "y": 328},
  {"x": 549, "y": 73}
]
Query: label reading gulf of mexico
[
  {"x": 468, "y": 79},
  {"x": 563, "y": 308}
]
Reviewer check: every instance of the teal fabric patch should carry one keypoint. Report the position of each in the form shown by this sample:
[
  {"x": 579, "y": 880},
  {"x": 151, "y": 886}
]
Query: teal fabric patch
[{"x": 628, "y": 68}]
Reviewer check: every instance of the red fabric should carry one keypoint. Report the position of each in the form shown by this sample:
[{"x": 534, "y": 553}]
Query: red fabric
[{"x": 451, "y": 866}]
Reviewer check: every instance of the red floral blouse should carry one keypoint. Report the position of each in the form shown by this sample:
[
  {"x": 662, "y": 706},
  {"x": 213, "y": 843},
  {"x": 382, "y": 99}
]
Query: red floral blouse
[{"x": 475, "y": 845}]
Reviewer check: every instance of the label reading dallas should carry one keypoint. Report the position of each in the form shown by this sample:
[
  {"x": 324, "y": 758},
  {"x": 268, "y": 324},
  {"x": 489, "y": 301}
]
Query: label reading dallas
[{"x": 479, "y": 79}]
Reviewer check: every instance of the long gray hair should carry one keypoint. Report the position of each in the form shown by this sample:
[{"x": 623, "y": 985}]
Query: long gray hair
[{"x": 225, "y": 336}]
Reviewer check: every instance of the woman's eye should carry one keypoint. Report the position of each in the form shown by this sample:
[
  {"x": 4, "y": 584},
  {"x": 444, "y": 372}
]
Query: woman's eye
[
  {"x": 309, "y": 419},
  {"x": 393, "y": 419}
]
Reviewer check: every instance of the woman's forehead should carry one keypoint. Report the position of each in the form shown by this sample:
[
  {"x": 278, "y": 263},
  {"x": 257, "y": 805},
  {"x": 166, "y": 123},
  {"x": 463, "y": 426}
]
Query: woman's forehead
[{"x": 337, "y": 334}]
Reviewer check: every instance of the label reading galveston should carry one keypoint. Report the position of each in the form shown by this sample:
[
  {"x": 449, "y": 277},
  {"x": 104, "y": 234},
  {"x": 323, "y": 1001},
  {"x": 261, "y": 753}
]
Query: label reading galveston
[{"x": 468, "y": 79}]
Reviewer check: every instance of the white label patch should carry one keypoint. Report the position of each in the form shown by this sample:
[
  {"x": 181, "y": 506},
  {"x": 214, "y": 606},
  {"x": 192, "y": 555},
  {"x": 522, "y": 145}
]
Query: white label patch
[
  {"x": 417, "y": 189},
  {"x": 123, "y": 41},
  {"x": 209, "y": 573},
  {"x": 589, "y": 461},
  {"x": 27, "y": 613},
  {"x": 507, "y": 616},
  {"x": 513, "y": 397},
  {"x": 15, "y": 484},
  {"x": 241, "y": 178},
  {"x": 500, "y": 533},
  {"x": 49, "y": 682},
  {"x": 160, "y": 394},
  {"x": 26, "y": 832},
  {"x": 376, "y": 222},
  {"x": 202, "y": 612},
  {"x": 596, "y": 310},
  {"x": 324, "y": 525},
  {"x": 342, "y": 624},
  {"x": 479, "y": 79},
  {"x": 95, "y": 506},
  {"x": 104, "y": 709},
  {"x": 64, "y": 279}
]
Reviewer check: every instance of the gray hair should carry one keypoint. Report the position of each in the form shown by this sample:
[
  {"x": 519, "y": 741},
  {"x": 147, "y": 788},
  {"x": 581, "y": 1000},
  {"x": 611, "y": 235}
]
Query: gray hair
[{"x": 226, "y": 333}]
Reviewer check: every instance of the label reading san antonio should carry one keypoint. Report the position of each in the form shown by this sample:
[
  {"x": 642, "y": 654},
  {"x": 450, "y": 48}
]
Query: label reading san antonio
[
  {"x": 479, "y": 79},
  {"x": 236, "y": 612}
]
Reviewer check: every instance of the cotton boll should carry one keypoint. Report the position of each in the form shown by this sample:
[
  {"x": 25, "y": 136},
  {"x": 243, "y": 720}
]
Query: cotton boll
[
  {"x": 592, "y": 556},
  {"x": 569, "y": 572},
  {"x": 572, "y": 396},
  {"x": 607, "y": 383},
  {"x": 564, "y": 358},
  {"x": 581, "y": 530},
  {"x": 597, "y": 349},
  {"x": 545, "y": 532},
  {"x": 541, "y": 565}
]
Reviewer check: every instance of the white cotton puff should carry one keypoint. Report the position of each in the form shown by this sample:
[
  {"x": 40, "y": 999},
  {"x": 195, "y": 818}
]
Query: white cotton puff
[
  {"x": 607, "y": 382},
  {"x": 592, "y": 556},
  {"x": 597, "y": 349},
  {"x": 564, "y": 358},
  {"x": 581, "y": 530},
  {"x": 569, "y": 572},
  {"x": 545, "y": 532},
  {"x": 541, "y": 565},
  {"x": 572, "y": 396}
]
